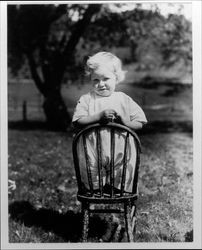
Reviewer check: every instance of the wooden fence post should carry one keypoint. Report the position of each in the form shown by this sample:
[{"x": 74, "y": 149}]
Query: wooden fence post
[{"x": 24, "y": 111}]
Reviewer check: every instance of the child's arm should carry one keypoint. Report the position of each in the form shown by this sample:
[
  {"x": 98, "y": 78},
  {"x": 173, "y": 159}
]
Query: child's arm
[
  {"x": 86, "y": 120},
  {"x": 131, "y": 124},
  {"x": 136, "y": 119},
  {"x": 105, "y": 115}
]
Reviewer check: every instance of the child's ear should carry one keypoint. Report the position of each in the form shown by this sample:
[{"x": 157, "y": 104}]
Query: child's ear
[{"x": 117, "y": 79}]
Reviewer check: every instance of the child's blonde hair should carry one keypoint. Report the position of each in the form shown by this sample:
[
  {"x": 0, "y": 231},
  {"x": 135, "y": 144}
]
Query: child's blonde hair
[{"x": 108, "y": 60}]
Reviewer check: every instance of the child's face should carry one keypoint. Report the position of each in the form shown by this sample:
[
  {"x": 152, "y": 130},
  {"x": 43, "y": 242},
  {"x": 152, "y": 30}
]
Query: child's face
[{"x": 104, "y": 81}]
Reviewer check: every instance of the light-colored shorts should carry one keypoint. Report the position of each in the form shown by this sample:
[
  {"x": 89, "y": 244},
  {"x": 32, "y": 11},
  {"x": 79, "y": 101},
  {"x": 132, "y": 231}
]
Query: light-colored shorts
[{"x": 91, "y": 142}]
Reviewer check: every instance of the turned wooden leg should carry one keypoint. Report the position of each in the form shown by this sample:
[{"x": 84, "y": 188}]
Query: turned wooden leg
[
  {"x": 133, "y": 219},
  {"x": 128, "y": 222},
  {"x": 85, "y": 212}
]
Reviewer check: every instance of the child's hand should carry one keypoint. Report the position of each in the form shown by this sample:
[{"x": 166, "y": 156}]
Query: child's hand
[
  {"x": 119, "y": 119},
  {"x": 131, "y": 124},
  {"x": 108, "y": 115}
]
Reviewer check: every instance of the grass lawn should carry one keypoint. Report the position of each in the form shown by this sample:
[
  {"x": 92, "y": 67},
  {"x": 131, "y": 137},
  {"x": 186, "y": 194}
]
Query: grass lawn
[{"x": 43, "y": 207}]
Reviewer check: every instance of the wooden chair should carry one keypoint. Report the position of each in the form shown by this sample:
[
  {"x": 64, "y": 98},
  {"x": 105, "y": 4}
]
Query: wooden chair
[{"x": 107, "y": 194}]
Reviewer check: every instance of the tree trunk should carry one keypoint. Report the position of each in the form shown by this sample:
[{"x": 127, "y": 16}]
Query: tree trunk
[
  {"x": 133, "y": 48},
  {"x": 53, "y": 69},
  {"x": 56, "y": 112}
]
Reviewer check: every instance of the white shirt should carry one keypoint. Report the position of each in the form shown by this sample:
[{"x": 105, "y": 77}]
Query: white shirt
[{"x": 91, "y": 103}]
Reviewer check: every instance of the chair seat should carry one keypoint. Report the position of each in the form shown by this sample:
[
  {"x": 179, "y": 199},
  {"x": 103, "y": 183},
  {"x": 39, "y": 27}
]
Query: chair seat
[{"x": 105, "y": 199}]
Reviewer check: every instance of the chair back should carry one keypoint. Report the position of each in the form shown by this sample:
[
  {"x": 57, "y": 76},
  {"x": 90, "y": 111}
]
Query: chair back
[{"x": 105, "y": 185}]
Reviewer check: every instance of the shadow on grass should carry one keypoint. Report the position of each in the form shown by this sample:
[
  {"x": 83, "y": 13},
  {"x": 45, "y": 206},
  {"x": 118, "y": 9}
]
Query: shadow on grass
[
  {"x": 189, "y": 236},
  {"x": 151, "y": 127},
  {"x": 29, "y": 125},
  {"x": 68, "y": 225}
]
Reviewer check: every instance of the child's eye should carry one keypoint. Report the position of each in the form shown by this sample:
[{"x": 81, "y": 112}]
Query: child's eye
[
  {"x": 106, "y": 79},
  {"x": 95, "y": 80}
]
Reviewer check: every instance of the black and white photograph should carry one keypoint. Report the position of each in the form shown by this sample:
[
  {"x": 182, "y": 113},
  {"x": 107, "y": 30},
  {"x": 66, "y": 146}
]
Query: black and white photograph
[{"x": 101, "y": 124}]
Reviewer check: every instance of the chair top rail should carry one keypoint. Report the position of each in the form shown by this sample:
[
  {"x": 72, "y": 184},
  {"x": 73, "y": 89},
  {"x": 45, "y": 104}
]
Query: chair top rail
[{"x": 107, "y": 125}]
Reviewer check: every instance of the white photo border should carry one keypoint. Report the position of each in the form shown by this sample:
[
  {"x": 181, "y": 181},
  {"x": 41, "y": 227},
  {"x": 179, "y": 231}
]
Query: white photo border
[{"x": 197, "y": 140}]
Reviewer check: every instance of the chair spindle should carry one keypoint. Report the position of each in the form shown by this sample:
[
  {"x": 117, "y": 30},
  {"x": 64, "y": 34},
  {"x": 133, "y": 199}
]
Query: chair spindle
[
  {"x": 88, "y": 165},
  {"x": 135, "y": 180},
  {"x": 112, "y": 162},
  {"x": 124, "y": 164},
  {"x": 100, "y": 170}
]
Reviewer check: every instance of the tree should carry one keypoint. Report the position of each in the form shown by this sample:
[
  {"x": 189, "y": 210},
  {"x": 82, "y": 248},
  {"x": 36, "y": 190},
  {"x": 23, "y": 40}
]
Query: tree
[
  {"x": 169, "y": 36},
  {"x": 46, "y": 36},
  {"x": 153, "y": 39}
]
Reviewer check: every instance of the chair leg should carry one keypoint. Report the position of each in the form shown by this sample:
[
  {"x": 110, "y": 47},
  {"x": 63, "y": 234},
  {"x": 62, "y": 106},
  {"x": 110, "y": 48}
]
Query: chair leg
[
  {"x": 128, "y": 222},
  {"x": 85, "y": 212},
  {"x": 133, "y": 219}
]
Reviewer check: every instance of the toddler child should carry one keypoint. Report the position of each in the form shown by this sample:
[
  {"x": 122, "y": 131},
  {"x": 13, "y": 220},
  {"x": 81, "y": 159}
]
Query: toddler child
[{"x": 104, "y": 104}]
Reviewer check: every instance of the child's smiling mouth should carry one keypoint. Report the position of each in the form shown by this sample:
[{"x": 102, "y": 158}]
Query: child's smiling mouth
[{"x": 102, "y": 89}]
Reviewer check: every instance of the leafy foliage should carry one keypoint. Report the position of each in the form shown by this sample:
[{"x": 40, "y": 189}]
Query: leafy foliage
[
  {"x": 46, "y": 29},
  {"x": 170, "y": 37}
]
